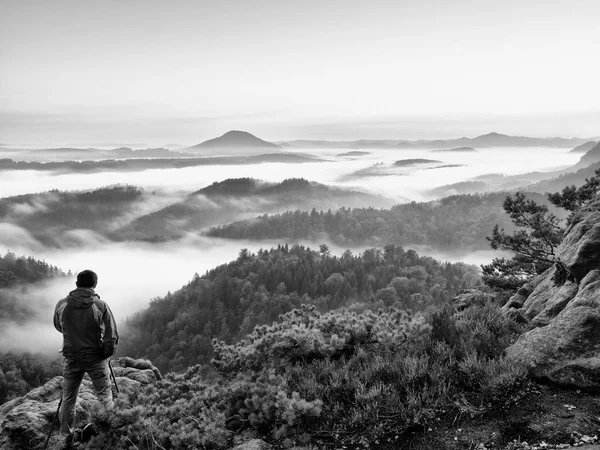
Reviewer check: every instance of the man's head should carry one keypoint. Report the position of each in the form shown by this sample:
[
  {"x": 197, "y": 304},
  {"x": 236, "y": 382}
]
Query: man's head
[{"x": 86, "y": 279}]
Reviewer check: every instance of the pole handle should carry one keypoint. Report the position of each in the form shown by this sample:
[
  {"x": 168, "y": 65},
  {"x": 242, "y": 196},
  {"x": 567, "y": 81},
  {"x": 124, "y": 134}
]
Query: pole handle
[
  {"x": 112, "y": 374},
  {"x": 53, "y": 422}
]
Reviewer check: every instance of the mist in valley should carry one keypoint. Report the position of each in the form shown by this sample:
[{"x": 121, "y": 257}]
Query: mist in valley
[
  {"x": 133, "y": 273},
  {"x": 399, "y": 183}
]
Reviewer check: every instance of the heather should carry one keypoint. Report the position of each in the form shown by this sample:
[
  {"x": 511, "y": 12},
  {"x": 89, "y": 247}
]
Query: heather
[{"x": 350, "y": 377}]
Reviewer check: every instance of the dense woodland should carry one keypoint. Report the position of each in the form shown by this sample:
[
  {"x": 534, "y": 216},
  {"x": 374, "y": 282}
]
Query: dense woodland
[
  {"x": 458, "y": 222},
  {"x": 353, "y": 377},
  {"x": 17, "y": 275},
  {"x": 21, "y": 372},
  {"x": 44, "y": 215},
  {"x": 16, "y": 270},
  {"x": 231, "y": 199},
  {"x": 230, "y": 300}
]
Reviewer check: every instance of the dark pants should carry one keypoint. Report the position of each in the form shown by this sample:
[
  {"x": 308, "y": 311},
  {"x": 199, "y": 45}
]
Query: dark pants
[{"x": 73, "y": 372}]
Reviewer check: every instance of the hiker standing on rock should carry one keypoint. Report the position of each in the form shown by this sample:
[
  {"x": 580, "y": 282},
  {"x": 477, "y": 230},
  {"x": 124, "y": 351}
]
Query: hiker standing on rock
[{"x": 89, "y": 339}]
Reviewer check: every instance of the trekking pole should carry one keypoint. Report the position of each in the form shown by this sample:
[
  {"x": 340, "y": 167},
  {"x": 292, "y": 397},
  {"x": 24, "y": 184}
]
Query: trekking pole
[
  {"x": 112, "y": 374},
  {"x": 53, "y": 422}
]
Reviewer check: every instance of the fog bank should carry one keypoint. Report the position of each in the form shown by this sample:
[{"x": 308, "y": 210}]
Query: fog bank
[{"x": 402, "y": 183}]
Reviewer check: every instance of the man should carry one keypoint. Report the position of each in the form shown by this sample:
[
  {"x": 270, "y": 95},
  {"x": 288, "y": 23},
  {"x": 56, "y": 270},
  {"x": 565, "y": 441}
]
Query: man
[{"x": 89, "y": 339}]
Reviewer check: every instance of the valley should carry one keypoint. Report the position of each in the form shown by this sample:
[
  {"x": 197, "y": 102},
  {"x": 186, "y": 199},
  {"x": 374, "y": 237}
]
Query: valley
[{"x": 197, "y": 259}]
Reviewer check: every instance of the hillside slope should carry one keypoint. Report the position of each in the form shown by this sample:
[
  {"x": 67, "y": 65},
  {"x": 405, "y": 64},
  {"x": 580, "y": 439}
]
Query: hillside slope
[
  {"x": 237, "y": 198},
  {"x": 461, "y": 375},
  {"x": 234, "y": 140},
  {"x": 458, "y": 223},
  {"x": 229, "y": 301}
]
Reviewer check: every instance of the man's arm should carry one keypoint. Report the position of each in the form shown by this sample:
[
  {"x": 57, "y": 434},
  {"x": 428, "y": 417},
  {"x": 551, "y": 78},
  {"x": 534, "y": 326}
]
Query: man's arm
[
  {"x": 57, "y": 311},
  {"x": 110, "y": 338}
]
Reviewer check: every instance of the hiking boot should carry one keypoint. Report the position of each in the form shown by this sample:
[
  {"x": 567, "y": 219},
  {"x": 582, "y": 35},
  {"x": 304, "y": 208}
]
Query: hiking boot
[
  {"x": 68, "y": 443},
  {"x": 84, "y": 434}
]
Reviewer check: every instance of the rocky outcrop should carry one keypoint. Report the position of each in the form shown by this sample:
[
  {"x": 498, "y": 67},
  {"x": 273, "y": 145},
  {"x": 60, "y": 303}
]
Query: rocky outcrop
[
  {"x": 471, "y": 297},
  {"x": 580, "y": 249},
  {"x": 254, "y": 444},
  {"x": 26, "y": 421},
  {"x": 517, "y": 300},
  {"x": 564, "y": 346},
  {"x": 581, "y": 372}
]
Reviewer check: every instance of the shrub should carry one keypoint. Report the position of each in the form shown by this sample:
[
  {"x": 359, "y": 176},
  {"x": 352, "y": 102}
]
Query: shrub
[{"x": 340, "y": 378}]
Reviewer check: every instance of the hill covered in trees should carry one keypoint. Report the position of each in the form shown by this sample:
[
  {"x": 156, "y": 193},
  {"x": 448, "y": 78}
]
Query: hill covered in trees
[
  {"x": 46, "y": 216},
  {"x": 21, "y": 372},
  {"x": 175, "y": 331},
  {"x": 231, "y": 199},
  {"x": 16, "y": 270},
  {"x": 17, "y": 275},
  {"x": 459, "y": 223}
]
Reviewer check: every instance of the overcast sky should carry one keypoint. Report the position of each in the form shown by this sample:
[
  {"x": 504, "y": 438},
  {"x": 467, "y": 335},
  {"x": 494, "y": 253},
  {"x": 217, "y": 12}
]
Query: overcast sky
[{"x": 159, "y": 72}]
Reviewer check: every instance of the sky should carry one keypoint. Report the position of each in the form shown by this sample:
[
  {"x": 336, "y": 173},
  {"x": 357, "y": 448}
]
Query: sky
[{"x": 149, "y": 72}]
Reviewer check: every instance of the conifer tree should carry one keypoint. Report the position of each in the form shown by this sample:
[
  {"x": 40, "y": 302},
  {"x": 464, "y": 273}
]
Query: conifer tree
[{"x": 536, "y": 238}]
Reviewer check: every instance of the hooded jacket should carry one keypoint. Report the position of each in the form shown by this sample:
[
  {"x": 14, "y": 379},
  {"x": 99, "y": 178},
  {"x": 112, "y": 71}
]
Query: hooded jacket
[{"x": 87, "y": 325}]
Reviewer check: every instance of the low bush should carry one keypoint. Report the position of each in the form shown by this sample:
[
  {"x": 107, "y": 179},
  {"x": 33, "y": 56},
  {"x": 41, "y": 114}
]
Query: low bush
[{"x": 340, "y": 378}]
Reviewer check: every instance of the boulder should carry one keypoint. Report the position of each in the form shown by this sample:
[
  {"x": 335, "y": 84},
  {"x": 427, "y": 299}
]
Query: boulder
[
  {"x": 143, "y": 364},
  {"x": 545, "y": 289},
  {"x": 516, "y": 316},
  {"x": 517, "y": 300},
  {"x": 557, "y": 299},
  {"x": 582, "y": 373},
  {"x": 26, "y": 421},
  {"x": 254, "y": 444},
  {"x": 589, "y": 292},
  {"x": 572, "y": 334},
  {"x": 471, "y": 297}
]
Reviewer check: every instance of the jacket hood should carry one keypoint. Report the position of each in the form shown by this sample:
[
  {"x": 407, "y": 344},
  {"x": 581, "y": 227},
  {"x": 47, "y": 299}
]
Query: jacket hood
[{"x": 82, "y": 297}]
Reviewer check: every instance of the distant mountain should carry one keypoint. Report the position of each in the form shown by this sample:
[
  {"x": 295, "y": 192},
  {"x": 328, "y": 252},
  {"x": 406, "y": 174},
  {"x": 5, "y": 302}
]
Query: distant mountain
[
  {"x": 567, "y": 179},
  {"x": 457, "y": 149},
  {"x": 551, "y": 181},
  {"x": 486, "y": 140},
  {"x": 592, "y": 156},
  {"x": 496, "y": 140},
  {"x": 462, "y": 187},
  {"x": 138, "y": 164},
  {"x": 126, "y": 152},
  {"x": 584, "y": 147},
  {"x": 86, "y": 154},
  {"x": 414, "y": 161},
  {"x": 233, "y": 140},
  {"x": 354, "y": 153}
]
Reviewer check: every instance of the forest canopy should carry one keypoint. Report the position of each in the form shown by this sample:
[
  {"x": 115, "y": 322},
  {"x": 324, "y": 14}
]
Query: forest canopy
[
  {"x": 457, "y": 222},
  {"x": 176, "y": 331}
]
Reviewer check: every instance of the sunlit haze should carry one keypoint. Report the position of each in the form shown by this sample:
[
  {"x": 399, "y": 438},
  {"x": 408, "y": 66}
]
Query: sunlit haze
[
  {"x": 174, "y": 74},
  {"x": 152, "y": 73}
]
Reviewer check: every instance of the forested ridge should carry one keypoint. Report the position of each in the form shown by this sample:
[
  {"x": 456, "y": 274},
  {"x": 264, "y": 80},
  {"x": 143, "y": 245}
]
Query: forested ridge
[
  {"x": 175, "y": 331},
  {"x": 44, "y": 214},
  {"x": 20, "y": 372},
  {"x": 457, "y": 222},
  {"x": 17, "y": 275},
  {"x": 228, "y": 200},
  {"x": 25, "y": 269}
]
